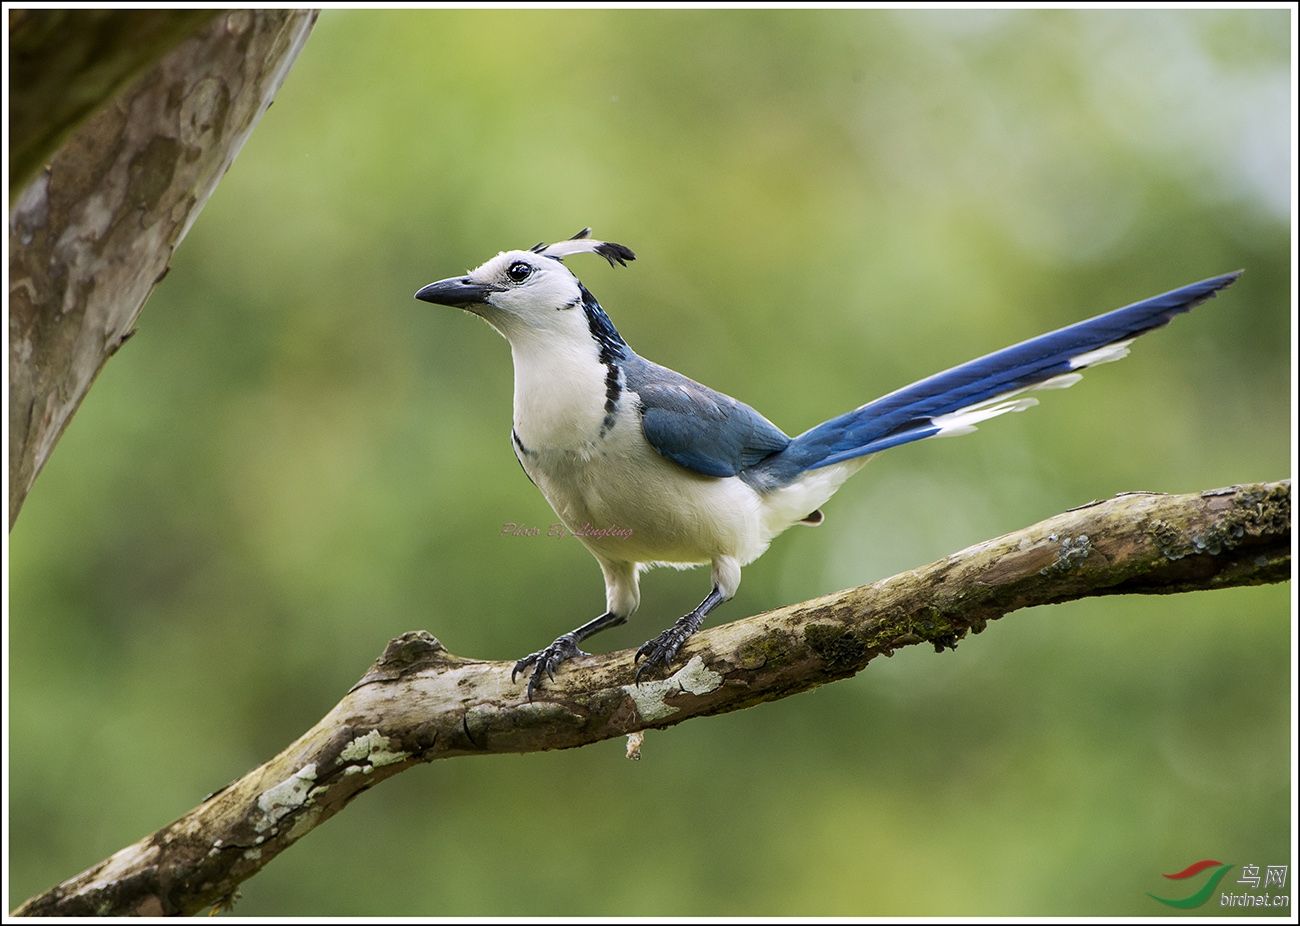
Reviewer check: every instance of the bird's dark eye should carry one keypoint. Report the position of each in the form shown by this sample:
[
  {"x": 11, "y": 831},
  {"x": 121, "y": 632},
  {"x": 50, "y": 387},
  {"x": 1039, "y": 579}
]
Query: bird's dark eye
[{"x": 519, "y": 271}]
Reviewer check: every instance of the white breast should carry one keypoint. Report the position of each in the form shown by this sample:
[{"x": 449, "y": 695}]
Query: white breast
[{"x": 613, "y": 482}]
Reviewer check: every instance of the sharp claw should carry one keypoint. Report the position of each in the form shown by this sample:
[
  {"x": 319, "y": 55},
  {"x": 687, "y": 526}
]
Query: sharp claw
[
  {"x": 659, "y": 651},
  {"x": 544, "y": 662}
]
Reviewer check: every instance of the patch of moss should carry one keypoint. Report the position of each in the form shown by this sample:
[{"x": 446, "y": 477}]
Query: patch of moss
[
  {"x": 770, "y": 650},
  {"x": 837, "y": 647}
]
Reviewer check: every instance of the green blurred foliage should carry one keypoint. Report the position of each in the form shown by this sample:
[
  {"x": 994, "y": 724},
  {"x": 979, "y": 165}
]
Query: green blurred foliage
[{"x": 294, "y": 461}]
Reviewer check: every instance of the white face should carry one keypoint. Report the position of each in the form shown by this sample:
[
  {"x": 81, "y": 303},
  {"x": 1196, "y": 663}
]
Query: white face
[{"x": 526, "y": 290}]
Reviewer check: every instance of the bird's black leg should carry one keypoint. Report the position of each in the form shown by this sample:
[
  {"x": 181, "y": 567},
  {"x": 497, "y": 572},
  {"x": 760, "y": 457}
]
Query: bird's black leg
[
  {"x": 664, "y": 647},
  {"x": 546, "y": 661}
]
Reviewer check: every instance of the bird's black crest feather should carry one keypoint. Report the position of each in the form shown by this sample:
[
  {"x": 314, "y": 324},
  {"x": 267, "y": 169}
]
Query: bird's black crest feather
[{"x": 615, "y": 253}]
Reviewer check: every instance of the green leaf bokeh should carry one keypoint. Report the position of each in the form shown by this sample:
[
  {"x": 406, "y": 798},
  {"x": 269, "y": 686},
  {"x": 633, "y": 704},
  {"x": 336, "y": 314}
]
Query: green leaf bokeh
[{"x": 294, "y": 461}]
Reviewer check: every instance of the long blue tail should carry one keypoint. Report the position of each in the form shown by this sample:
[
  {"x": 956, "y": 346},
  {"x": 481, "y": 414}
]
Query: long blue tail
[{"x": 954, "y": 401}]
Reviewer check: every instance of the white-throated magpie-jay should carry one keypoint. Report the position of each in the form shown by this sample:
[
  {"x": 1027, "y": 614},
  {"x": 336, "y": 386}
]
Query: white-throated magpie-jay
[{"x": 689, "y": 475}]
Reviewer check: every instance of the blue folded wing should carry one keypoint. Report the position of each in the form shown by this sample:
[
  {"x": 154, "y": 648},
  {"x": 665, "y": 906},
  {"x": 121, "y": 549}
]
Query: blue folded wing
[{"x": 703, "y": 430}]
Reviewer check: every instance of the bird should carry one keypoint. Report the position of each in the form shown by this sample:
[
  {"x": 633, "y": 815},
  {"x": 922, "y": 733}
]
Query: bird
[{"x": 648, "y": 467}]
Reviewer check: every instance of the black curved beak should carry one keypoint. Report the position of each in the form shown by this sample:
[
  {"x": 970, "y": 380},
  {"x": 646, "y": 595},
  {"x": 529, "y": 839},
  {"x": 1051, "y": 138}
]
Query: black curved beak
[{"x": 458, "y": 292}]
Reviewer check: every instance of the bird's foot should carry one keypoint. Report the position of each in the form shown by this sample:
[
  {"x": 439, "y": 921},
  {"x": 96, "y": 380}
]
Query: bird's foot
[
  {"x": 663, "y": 648},
  {"x": 546, "y": 661}
]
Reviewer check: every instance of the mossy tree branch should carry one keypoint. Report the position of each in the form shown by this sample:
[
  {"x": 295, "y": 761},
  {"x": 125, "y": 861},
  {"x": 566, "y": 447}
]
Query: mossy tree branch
[{"x": 418, "y": 702}]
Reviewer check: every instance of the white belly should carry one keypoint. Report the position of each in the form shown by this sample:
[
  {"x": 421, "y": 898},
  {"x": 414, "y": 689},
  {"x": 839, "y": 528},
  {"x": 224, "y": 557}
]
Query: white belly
[{"x": 618, "y": 483}]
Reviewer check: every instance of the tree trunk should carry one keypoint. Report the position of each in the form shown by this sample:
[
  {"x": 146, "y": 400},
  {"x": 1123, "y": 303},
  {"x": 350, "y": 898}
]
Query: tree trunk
[
  {"x": 94, "y": 230},
  {"x": 65, "y": 64}
]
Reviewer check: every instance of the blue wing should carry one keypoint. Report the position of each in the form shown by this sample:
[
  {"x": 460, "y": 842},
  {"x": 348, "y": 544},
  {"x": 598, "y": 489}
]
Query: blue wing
[{"x": 697, "y": 427}]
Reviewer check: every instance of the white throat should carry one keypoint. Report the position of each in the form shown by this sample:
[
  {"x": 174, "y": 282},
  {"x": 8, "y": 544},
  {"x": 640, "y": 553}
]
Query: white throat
[{"x": 560, "y": 384}]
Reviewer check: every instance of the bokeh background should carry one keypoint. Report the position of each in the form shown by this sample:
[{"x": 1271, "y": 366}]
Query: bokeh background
[{"x": 294, "y": 461}]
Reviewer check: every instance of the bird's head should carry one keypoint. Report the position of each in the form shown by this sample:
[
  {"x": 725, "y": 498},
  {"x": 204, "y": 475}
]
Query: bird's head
[{"x": 526, "y": 291}]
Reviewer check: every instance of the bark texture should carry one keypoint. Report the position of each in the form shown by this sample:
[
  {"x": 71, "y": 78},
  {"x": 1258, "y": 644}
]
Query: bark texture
[
  {"x": 65, "y": 64},
  {"x": 418, "y": 702},
  {"x": 94, "y": 231}
]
